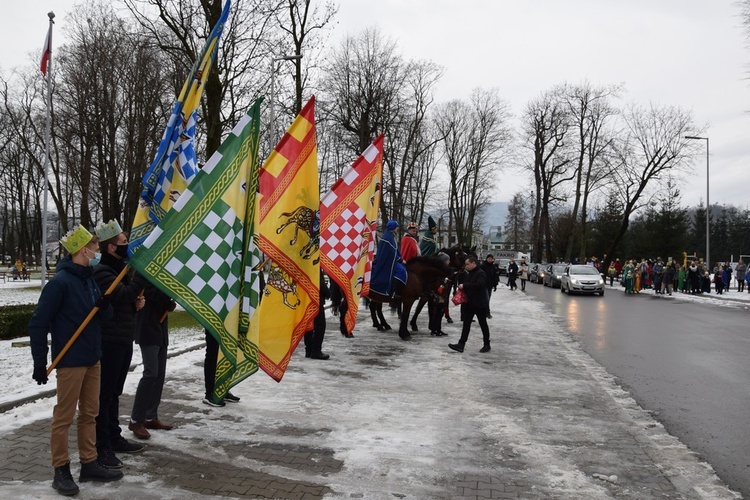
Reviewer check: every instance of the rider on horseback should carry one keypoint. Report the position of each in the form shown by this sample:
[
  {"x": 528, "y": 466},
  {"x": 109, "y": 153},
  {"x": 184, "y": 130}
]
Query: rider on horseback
[{"x": 388, "y": 271}]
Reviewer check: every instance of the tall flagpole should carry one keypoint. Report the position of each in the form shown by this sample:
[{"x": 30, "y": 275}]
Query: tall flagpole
[{"x": 47, "y": 135}]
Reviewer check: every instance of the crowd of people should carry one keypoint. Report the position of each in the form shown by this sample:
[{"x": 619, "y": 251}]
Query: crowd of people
[{"x": 692, "y": 277}]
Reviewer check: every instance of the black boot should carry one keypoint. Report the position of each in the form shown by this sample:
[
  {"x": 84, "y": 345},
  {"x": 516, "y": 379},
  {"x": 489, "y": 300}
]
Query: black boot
[
  {"x": 63, "y": 481},
  {"x": 319, "y": 355},
  {"x": 457, "y": 347},
  {"x": 93, "y": 471},
  {"x": 485, "y": 348}
]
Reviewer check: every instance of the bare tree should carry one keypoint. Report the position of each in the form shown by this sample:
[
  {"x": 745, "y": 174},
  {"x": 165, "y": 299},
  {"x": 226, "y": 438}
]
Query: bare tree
[
  {"x": 590, "y": 112},
  {"x": 546, "y": 124},
  {"x": 369, "y": 89},
  {"x": 475, "y": 135},
  {"x": 653, "y": 148},
  {"x": 180, "y": 27},
  {"x": 302, "y": 21}
]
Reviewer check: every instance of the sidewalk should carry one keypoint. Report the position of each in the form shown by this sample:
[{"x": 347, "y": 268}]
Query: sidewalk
[{"x": 534, "y": 418}]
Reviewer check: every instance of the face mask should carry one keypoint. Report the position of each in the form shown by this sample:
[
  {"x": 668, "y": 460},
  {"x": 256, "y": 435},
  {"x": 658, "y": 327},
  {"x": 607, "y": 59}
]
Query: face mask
[
  {"x": 122, "y": 251},
  {"x": 97, "y": 258}
]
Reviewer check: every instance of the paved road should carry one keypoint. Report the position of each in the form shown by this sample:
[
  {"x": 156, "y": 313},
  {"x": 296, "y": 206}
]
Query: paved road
[{"x": 686, "y": 362}]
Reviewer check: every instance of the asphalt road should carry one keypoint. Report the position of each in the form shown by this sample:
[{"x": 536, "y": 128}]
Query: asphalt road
[{"x": 688, "y": 363}]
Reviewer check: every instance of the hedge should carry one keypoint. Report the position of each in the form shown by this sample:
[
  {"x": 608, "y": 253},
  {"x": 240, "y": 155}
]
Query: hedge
[{"x": 14, "y": 320}]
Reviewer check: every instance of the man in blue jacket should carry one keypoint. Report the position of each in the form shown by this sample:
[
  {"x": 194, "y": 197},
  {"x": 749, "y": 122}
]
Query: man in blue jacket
[{"x": 63, "y": 305}]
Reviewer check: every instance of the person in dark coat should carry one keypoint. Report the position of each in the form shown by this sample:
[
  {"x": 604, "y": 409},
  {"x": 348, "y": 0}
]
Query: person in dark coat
[
  {"x": 117, "y": 341},
  {"x": 740, "y": 270},
  {"x": 314, "y": 338},
  {"x": 668, "y": 278},
  {"x": 488, "y": 266},
  {"x": 474, "y": 285},
  {"x": 152, "y": 335},
  {"x": 512, "y": 274},
  {"x": 63, "y": 305}
]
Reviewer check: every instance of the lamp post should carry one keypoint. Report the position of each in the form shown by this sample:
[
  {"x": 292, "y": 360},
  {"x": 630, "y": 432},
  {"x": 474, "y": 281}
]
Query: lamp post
[
  {"x": 708, "y": 203},
  {"x": 273, "y": 92}
]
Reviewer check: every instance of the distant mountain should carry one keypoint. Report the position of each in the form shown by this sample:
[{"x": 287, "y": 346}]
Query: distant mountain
[{"x": 494, "y": 214}]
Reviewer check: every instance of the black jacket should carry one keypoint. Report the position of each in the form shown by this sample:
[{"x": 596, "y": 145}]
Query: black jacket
[
  {"x": 150, "y": 329},
  {"x": 63, "y": 305},
  {"x": 512, "y": 270},
  {"x": 490, "y": 273},
  {"x": 475, "y": 287},
  {"x": 121, "y": 328}
]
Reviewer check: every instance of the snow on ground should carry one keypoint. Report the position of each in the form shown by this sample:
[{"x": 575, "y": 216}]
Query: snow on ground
[{"x": 16, "y": 364}]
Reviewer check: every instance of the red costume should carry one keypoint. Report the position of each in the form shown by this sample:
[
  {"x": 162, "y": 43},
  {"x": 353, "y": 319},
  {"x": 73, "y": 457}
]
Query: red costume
[{"x": 409, "y": 247}]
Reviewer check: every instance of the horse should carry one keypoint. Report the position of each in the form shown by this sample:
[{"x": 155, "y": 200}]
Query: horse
[
  {"x": 457, "y": 256},
  {"x": 424, "y": 275}
]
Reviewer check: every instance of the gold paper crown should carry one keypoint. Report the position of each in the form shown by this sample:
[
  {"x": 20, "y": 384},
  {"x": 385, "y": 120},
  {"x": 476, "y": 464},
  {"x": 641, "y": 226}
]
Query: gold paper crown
[
  {"x": 108, "y": 231},
  {"x": 76, "y": 239}
]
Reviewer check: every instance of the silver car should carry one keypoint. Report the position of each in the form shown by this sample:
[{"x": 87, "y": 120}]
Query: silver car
[{"x": 580, "y": 278}]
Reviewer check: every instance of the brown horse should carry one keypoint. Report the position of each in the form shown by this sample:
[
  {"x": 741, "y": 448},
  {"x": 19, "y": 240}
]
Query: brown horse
[
  {"x": 457, "y": 257},
  {"x": 424, "y": 275}
]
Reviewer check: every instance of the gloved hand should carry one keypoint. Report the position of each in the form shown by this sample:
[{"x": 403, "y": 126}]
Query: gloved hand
[
  {"x": 171, "y": 306},
  {"x": 40, "y": 375},
  {"x": 103, "y": 301},
  {"x": 494, "y": 289}
]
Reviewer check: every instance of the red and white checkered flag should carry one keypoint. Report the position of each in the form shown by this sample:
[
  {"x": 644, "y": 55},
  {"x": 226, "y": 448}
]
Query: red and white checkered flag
[{"x": 348, "y": 222}]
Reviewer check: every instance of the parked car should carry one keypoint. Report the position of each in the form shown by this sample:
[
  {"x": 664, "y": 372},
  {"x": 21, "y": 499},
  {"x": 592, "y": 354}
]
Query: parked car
[
  {"x": 553, "y": 274},
  {"x": 534, "y": 270},
  {"x": 580, "y": 278},
  {"x": 502, "y": 266},
  {"x": 541, "y": 273}
]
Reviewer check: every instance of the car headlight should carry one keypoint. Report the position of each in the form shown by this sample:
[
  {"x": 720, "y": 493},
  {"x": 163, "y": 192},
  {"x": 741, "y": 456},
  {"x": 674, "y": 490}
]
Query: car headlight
[
  {"x": 558, "y": 277},
  {"x": 601, "y": 281},
  {"x": 574, "y": 281}
]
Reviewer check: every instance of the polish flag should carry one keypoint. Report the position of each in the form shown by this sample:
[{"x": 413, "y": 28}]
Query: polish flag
[{"x": 46, "y": 52}]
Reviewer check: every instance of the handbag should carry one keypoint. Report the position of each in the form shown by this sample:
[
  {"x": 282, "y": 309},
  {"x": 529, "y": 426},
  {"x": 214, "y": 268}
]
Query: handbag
[{"x": 460, "y": 297}]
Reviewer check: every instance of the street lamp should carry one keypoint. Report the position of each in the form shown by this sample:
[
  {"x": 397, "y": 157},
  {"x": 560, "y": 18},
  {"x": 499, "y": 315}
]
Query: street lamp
[
  {"x": 273, "y": 91},
  {"x": 708, "y": 204}
]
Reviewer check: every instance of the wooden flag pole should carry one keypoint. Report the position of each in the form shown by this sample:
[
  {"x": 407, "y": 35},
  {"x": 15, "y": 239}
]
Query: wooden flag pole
[{"x": 86, "y": 322}]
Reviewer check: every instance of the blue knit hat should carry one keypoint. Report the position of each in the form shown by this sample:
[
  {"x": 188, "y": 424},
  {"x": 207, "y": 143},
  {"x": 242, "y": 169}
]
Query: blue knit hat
[{"x": 392, "y": 224}]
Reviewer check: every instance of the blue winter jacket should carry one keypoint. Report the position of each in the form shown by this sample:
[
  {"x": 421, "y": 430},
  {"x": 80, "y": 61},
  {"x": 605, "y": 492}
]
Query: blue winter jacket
[{"x": 63, "y": 305}]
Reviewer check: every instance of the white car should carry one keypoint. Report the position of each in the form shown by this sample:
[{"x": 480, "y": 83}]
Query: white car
[{"x": 579, "y": 278}]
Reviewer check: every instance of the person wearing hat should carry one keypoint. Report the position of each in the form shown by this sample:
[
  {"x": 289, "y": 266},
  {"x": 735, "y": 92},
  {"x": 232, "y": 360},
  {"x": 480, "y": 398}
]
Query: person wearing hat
[
  {"x": 117, "y": 342},
  {"x": 63, "y": 305},
  {"x": 429, "y": 246},
  {"x": 388, "y": 271},
  {"x": 410, "y": 243}
]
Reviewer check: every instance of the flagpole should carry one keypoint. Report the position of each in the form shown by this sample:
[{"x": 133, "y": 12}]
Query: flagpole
[{"x": 47, "y": 135}]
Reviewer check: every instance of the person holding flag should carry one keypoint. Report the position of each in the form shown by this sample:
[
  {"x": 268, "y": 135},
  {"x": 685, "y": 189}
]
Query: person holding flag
[
  {"x": 63, "y": 305},
  {"x": 117, "y": 341}
]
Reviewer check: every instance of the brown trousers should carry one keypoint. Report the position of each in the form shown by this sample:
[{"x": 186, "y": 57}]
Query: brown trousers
[{"x": 76, "y": 386}]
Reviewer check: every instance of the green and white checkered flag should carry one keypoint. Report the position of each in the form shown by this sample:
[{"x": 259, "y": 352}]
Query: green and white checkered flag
[{"x": 203, "y": 254}]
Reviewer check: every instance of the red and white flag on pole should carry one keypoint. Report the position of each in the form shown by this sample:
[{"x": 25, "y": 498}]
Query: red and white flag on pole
[
  {"x": 348, "y": 222},
  {"x": 47, "y": 51}
]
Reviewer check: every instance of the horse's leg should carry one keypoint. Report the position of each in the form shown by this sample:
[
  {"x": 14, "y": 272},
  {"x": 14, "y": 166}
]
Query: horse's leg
[
  {"x": 383, "y": 322},
  {"x": 374, "y": 316},
  {"x": 403, "y": 330},
  {"x": 420, "y": 305}
]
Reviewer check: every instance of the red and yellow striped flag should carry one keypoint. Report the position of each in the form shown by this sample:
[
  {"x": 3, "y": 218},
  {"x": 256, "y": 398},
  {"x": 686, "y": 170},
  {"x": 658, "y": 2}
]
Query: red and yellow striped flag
[{"x": 289, "y": 234}]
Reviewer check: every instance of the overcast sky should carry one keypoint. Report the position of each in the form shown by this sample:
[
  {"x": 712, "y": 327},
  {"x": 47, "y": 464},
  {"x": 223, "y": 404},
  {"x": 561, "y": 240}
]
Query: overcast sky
[{"x": 687, "y": 53}]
